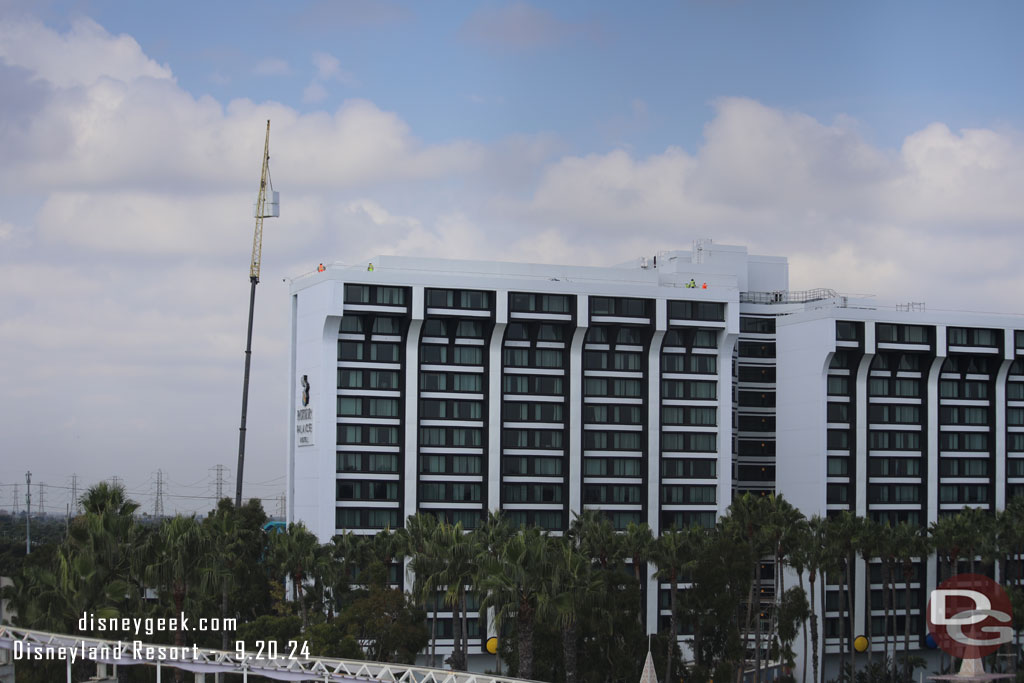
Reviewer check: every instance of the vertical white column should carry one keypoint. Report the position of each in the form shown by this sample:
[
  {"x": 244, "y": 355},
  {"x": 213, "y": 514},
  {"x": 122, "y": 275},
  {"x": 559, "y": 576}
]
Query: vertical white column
[
  {"x": 575, "y": 474},
  {"x": 860, "y": 412},
  {"x": 494, "y": 401},
  {"x": 1000, "y": 425},
  {"x": 932, "y": 438},
  {"x": 726, "y": 343},
  {"x": 654, "y": 415},
  {"x": 412, "y": 393},
  {"x": 292, "y": 379},
  {"x": 654, "y": 450}
]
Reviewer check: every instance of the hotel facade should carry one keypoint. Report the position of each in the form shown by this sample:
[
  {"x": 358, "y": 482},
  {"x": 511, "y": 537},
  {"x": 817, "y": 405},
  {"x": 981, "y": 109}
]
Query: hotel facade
[{"x": 653, "y": 391}]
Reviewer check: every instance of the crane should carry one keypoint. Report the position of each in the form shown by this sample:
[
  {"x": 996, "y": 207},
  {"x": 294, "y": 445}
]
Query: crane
[{"x": 262, "y": 209}]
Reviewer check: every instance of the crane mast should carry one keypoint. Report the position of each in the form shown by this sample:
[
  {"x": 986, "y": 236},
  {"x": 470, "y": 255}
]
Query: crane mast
[{"x": 254, "y": 278}]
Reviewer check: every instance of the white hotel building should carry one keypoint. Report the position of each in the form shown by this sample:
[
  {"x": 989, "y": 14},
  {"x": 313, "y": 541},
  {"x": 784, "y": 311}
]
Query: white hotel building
[{"x": 458, "y": 387}]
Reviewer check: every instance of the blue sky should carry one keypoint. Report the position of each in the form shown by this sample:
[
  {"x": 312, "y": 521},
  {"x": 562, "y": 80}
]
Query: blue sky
[{"x": 878, "y": 145}]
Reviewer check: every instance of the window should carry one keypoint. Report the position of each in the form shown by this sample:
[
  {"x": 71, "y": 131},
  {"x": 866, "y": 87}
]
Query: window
[
  {"x": 846, "y": 330},
  {"x": 383, "y": 379},
  {"x": 351, "y": 323},
  {"x": 839, "y": 386},
  {"x": 550, "y": 333},
  {"x": 470, "y": 329},
  {"x": 349, "y": 406},
  {"x": 384, "y": 353},
  {"x": 517, "y": 358},
  {"x": 838, "y": 412},
  {"x": 628, "y": 335},
  {"x": 894, "y": 414},
  {"x": 547, "y": 358},
  {"x": 391, "y": 296},
  {"x": 894, "y": 467},
  {"x": 838, "y": 467},
  {"x": 757, "y": 325},
  {"x": 963, "y": 467},
  {"x": 466, "y": 464},
  {"x": 963, "y": 493},
  {"x": 837, "y": 493},
  {"x": 756, "y": 374},
  {"x": 386, "y": 326},
  {"x": 687, "y": 468},
  {"x": 960, "y": 441},
  {"x": 693, "y": 495},
  {"x": 348, "y": 350},
  {"x": 433, "y": 353},
  {"x": 350, "y": 379},
  {"x": 756, "y": 349},
  {"x": 432, "y": 327},
  {"x": 838, "y": 439},
  {"x": 357, "y": 294},
  {"x": 887, "y": 440},
  {"x": 697, "y": 310},
  {"x": 467, "y": 382},
  {"x": 468, "y": 355},
  {"x": 705, "y": 339},
  {"x": 476, "y": 300}
]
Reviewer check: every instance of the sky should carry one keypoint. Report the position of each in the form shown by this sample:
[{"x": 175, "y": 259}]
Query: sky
[{"x": 878, "y": 145}]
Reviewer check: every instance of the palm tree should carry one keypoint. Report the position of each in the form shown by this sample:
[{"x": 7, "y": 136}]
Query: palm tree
[
  {"x": 513, "y": 584},
  {"x": 671, "y": 552},
  {"x": 868, "y": 544},
  {"x": 842, "y": 532},
  {"x": 911, "y": 544},
  {"x": 426, "y": 564},
  {"x": 745, "y": 523},
  {"x": 458, "y": 550},
  {"x": 176, "y": 560},
  {"x": 572, "y": 590},
  {"x": 294, "y": 553},
  {"x": 802, "y": 559},
  {"x": 595, "y": 536},
  {"x": 637, "y": 542}
]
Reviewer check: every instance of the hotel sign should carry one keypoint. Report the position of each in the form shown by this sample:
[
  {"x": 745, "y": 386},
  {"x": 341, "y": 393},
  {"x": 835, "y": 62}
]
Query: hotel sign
[{"x": 304, "y": 415}]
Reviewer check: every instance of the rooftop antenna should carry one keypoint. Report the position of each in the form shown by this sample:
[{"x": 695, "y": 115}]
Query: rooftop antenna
[{"x": 264, "y": 209}]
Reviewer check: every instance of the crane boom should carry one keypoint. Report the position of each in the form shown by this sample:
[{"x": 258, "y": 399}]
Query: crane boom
[
  {"x": 261, "y": 200},
  {"x": 254, "y": 278}
]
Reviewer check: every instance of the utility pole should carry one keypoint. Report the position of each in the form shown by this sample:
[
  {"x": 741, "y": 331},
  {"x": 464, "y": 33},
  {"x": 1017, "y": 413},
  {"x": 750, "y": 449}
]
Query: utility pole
[
  {"x": 28, "y": 513},
  {"x": 262, "y": 209}
]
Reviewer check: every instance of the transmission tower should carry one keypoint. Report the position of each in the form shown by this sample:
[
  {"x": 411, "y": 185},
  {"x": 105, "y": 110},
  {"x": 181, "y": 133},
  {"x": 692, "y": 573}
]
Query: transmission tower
[
  {"x": 219, "y": 471},
  {"x": 74, "y": 494},
  {"x": 14, "y": 505},
  {"x": 115, "y": 481},
  {"x": 281, "y": 505},
  {"x": 158, "y": 506},
  {"x": 28, "y": 513},
  {"x": 42, "y": 497}
]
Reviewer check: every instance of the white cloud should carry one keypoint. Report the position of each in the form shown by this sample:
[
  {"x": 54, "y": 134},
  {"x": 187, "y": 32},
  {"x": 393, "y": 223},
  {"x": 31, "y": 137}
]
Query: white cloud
[
  {"x": 83, "y": 56},
  {"x": 272, "y": 66},
  {"x": 314, "y": 92}
]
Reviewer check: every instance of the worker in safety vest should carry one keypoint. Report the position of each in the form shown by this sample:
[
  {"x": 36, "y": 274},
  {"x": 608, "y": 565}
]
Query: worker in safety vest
[
  {"x": 320, "y": 268},
  {"x": 370, "y": 268},
  {"x": 691, "y": 284}
]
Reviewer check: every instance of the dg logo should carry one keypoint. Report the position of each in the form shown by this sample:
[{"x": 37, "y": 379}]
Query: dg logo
[{"x": 970, "y": 616}]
